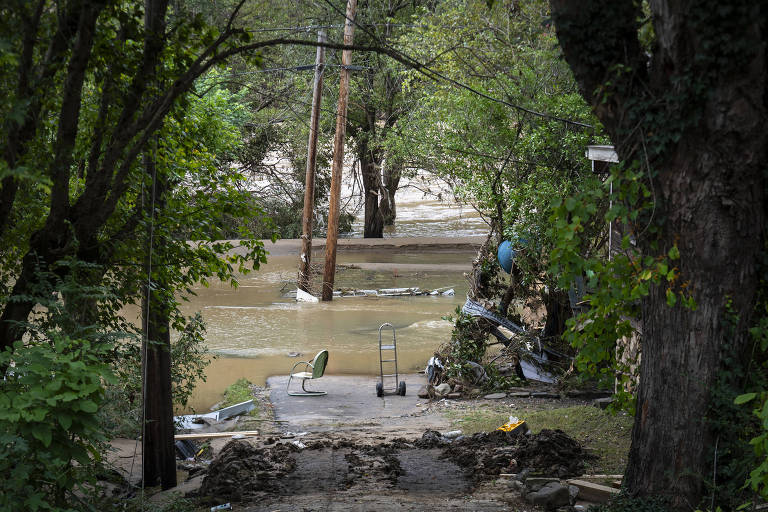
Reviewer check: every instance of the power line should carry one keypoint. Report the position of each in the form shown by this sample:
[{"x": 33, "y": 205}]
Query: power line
[{"x": 431, "y": 73}]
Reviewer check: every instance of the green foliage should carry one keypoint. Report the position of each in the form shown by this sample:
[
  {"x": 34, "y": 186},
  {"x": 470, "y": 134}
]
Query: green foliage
[
  {"x": 50, "y": 435},
  {"x": 757, "y": 480},
  {"x": 508, "y": 162},
  {"x": 758, "y": 476},
  {"x": 468, "y": 345},
  {"x": 237, "y": 392},
  {"x": 121, "y": 413},
  {"x": 615, "y": 285}
]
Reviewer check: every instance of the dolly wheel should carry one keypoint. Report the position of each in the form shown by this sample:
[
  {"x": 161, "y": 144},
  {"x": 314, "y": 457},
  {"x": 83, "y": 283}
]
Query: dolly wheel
[
  {"x": 379, "y": 389},
  {"x": 401, "y": 388}
]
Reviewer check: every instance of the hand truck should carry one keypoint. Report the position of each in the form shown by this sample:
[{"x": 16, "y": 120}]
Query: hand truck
[{"x": 388, "y": 355}]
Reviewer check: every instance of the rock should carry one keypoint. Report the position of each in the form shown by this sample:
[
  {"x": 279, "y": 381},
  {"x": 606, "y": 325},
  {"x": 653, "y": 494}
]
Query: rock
[
  {"x": 423, "y": 393},
  {"x": 453, "y": 434},
  {"x": 602, "y": 403},
  {"x": 520, "y": 394},
  {"x": 587, "y": 394},
  {"x": 454, "y": 396},
  {"x": 574, "y": 492},
  {"x": 443, "y": 389},
  {"x": 522, "y": 476},
  {"x": 544, "y": 394},
  {"x": 534, "y": 483},
  {"x": 495, "y": 396},
  {"x": 551, "y": 496}
]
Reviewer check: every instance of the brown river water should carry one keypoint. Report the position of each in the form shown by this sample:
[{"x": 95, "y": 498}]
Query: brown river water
[{"x": 252, "y": 329}]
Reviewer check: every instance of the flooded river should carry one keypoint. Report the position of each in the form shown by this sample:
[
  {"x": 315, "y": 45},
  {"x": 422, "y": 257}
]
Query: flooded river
[{"x": 253, "y": 329}]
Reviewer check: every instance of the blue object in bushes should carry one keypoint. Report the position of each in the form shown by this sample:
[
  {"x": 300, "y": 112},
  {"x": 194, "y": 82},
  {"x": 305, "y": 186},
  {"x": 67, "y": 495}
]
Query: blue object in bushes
[{"x": 506, "y": 255}]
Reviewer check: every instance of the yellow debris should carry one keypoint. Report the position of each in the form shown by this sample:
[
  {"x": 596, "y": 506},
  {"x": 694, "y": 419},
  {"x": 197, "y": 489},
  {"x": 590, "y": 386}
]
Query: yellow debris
[{"x": 509, "y": 427}]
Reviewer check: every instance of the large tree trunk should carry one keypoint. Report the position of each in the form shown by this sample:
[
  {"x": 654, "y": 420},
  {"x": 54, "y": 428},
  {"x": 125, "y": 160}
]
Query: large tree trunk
[
  {"x": 370, "y": 168},
  {"x": 387, "y": 205},
  {"x": 707, "y": 177}
]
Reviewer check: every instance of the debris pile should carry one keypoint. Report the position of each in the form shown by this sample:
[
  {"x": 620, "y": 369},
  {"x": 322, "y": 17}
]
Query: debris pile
[
  {"x": 550, "y": 452},
  {"x": 413, "y": 291},
  {"x": 242, "y": 470}
]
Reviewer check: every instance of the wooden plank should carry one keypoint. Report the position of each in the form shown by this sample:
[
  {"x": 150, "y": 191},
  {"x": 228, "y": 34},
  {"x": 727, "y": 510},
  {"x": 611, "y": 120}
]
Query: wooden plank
[
  {"x": 597, "y": 493},
  {"x": 205, "y": 435},
  {"x": 601, "y": 477}
]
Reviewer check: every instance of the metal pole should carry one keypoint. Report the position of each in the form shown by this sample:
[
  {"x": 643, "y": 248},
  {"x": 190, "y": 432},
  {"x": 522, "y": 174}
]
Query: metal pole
[
  {"x": 309, "y": 190},
  {"x": 338, "y": 156}
]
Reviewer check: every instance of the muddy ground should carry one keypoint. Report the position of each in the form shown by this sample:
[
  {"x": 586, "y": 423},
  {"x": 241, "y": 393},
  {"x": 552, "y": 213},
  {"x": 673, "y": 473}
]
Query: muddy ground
[
  {"x": 347, "y": 451},
  {"x": 427, "y": 473}
]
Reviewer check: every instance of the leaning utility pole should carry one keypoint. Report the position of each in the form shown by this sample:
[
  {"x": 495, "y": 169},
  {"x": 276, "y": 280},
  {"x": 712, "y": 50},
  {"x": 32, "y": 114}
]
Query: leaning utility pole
[
  {"x": 338, "y": 156},
  {"x": 305, "y": 274}
]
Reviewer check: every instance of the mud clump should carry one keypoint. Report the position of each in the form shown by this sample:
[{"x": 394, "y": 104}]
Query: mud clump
[
  {"x": 242, "y": 471},
  {"x": 550, "y": 452},
  {"x": 376, "y": 461}
]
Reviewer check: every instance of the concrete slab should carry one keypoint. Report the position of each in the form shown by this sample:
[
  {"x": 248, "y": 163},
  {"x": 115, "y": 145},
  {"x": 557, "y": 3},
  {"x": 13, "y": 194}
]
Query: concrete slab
[{"x": 352, "y": 405}]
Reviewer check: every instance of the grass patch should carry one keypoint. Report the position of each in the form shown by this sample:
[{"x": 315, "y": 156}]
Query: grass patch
[
  {"x": 238, "y": 392},
  {"x": 604, "y": 434}
]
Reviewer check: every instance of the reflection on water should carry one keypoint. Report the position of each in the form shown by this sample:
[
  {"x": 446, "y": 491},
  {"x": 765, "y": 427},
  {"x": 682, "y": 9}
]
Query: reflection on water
[{"x": 252, "y": 329}]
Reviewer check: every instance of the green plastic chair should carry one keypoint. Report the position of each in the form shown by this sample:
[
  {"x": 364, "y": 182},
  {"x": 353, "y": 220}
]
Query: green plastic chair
[{"x": 313, "y": 370}]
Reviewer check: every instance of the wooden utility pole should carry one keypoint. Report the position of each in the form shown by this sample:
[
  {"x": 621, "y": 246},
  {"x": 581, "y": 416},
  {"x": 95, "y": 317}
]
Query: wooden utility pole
[
  {"x": 305, "y": 274},
  {"x": 338, "y": 156}
]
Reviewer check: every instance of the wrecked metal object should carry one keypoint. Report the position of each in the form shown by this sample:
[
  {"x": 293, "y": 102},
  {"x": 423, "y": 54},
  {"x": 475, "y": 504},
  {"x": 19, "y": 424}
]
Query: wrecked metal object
[
  {"x": 473, "y": 308},
  {"x": 195, "y": 421},
  {"x": 532, "y": 364},
  {"x": 185, "y": 449},
  {"x": 225, "y": 506}
]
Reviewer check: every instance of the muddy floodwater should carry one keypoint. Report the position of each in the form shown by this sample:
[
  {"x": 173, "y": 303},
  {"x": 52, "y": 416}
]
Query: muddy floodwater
[{"x": 254, "y": 329}]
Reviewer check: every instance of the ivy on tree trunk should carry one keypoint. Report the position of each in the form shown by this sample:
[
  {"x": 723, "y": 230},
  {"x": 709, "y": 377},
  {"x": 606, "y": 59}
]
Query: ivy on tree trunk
[{"x": 686, "y": 100}]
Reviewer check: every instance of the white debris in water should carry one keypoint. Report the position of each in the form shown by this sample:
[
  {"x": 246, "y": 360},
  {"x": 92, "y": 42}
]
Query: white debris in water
[{"x": 302, "y": 296}]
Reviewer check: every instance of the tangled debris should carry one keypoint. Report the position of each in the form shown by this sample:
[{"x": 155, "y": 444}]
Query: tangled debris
[{"x": 242, "y": 470}]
